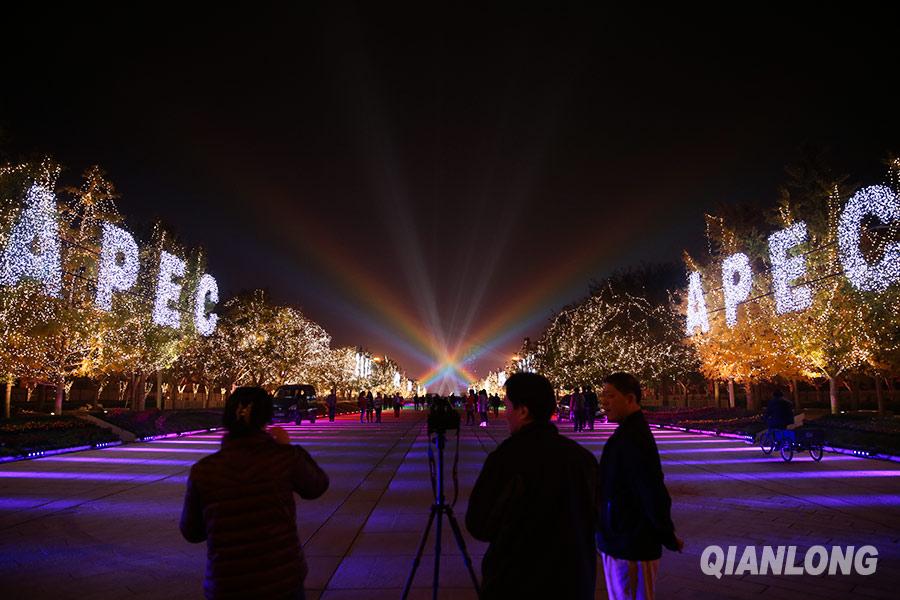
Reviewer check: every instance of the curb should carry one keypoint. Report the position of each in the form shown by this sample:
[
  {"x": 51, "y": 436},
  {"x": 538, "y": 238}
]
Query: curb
[{"x": 42, "y": 453}]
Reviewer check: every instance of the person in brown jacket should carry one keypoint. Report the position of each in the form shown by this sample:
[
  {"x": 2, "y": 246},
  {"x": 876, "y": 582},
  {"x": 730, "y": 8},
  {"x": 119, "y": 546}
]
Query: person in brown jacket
[{"x": 240, "y": 500}]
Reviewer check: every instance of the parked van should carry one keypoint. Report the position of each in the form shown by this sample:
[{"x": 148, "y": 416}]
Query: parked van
[{"x": 295, "y": 403}]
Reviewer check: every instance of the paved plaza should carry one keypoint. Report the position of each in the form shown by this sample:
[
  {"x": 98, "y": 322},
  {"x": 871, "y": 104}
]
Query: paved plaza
[{"x": 104, "y": 524}]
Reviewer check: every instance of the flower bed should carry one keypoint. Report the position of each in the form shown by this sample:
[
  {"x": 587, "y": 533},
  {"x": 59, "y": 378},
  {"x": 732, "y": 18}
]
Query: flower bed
[
  {"x": 727, "y": 420},
  {"x": 22, "y": 436},
  {"x": 153, "y": 422}
]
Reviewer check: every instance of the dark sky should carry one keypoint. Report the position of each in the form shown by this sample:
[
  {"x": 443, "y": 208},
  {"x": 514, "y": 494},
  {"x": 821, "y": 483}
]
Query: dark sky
[{"x": 433, "y": 184}]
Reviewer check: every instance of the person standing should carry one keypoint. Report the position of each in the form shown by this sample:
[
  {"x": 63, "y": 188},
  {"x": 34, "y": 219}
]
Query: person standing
[
  {"x": 591, "y": 403},
  {"x": 370, "y": 406},
  {"x": 398, "y": 404},
  {"x": 331, "y": 404},
  {"x": 495, "y": 404},
  {"x": 379, "y": 404},
  {"x": 470, "y": 408},
  {"x": 362, "y": 403},
  {"x": 534, "y": 502},
  {"x": 635, "y": 508},
  {"x": 483, "y": 408},
  {"x": 240, "y": 501},
  {"x": 577, "y": 403}
]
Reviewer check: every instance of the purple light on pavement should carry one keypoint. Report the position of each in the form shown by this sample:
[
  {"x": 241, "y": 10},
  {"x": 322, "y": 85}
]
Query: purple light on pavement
[
  {"x": 817, "y": 474},
  {"x": 710, "y": 450},
  {"x": 118, "y": 508},
  {"x": 111, "y": 460},
  {"x": 130, "y": 477},
  {"x": 21, "y": 503},
  {"x": 850, "y": 500},
  {"x": 741, "y": 461},
  {"x": 164, "y": 442},
  {"x": 696, "y": 441},
  {"x": 203, "y": 451}
]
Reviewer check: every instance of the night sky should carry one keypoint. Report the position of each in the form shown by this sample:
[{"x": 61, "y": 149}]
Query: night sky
[{"x": 433, "y": 185}]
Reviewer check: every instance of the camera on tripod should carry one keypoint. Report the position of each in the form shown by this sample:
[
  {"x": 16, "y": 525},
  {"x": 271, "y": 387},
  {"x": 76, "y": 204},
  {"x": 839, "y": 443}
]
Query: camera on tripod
[{"x": 442, "y": 417}]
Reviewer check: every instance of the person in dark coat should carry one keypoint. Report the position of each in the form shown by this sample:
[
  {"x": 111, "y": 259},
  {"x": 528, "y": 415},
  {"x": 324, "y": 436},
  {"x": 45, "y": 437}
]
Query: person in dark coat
[
  {"x": 779, "y": 412},
  {"x": 331, "y": 404},
  {"x": 240, "y": 500},
  {"x": 578, "y": 412},
  {"x": 535, "y": 503},
  {"x": 635, "y": 507},
  {"x": 591, "y": 403},
  {"x": 362, "y": 403}
]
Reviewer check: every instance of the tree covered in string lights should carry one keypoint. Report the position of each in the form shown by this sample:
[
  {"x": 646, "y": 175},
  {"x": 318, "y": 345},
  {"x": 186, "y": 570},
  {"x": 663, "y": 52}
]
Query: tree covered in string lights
[
  {"x": 817, "y": 308},
  {"x": 80, "y": 298},
  {"x": 615, "y": 331}
]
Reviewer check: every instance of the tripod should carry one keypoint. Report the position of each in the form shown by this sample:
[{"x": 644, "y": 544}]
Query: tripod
[{"x": 439, "y": 509}]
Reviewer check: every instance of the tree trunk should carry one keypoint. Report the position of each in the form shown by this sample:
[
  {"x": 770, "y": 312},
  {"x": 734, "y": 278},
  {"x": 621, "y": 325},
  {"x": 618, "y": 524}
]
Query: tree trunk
[
  {"x": 142, "y": 390},
  {"x": 748, "y": 393},
  {"x": 879, "y": 395},
  {"x": 795, "y": 390},
  {"x": 7, "y": 404},
  {"x": 716, "y": 394},
  {"x": 60, "y": 394},
  {"x": 173, "y": 392},
  {"x": 159, "y": 404},
  {"x": 833, "y": 394},
  {"x": 731, "y": 402}
]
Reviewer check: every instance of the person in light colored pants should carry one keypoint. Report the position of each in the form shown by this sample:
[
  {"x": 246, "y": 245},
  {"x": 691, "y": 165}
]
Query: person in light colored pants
[{"x": 629, "y": 579}]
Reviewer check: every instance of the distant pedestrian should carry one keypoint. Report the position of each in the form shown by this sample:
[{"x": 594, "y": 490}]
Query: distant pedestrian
[
  {"x": 635, "y": 507},
  {"x": 471, "y": 404},
  {"x": 578, "y": 413},
  {"x": 398, "y": 405},
  {"x": 483, "y": 408},
  {"x": 379, "y": 404},
  {"x": 591, "y": 404},
  {"x": 495, "y": 404},
  {"x": 240, "y": 500},
  {"x": 362, "y": 403},
  {"x": 370, "y": 406},
  {"x": 331, "y": 404}
]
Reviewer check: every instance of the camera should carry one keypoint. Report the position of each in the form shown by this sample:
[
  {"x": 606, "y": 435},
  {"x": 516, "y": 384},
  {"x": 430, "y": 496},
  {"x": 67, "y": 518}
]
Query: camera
[{"x": 442, "y": 417}]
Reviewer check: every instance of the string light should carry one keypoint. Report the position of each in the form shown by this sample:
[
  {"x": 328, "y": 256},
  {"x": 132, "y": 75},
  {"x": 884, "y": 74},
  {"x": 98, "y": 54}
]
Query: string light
[
  {"x": 20, "y": 258},
  {"x": 167, "y": 291},
  {"x": 882, "y": 203},
  {"x": 786, "y": 269},
  {"x": 738, "y": 264},
  {"x": 697, "y": 315},
  {"x": 207, "y": 292},
  {"x": 113, "y": 276}
]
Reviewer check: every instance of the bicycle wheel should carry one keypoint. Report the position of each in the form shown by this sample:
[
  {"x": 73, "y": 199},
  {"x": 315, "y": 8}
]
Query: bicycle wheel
[
  {"x": 767, "y": 443},
  {"x": 816, "y": 452},
  {"x": 787, "y": 452}
]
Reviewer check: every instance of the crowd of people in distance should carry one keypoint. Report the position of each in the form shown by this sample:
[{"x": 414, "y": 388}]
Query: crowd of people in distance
[
  {"x": 580, "y": 407},
  {"x": 370, "y": 407},
  {"x": 546, "y": 506}
]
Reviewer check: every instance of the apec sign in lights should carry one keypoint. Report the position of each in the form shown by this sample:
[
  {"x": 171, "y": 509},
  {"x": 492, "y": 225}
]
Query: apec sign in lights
[
  {"x": 34, "y": 252},
  {"x": 875, "y": 201}
]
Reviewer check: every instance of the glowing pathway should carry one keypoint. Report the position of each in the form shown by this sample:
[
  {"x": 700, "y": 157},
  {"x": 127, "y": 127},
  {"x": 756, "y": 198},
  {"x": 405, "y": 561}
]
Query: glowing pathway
[{"x": 104, "y": 523}]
